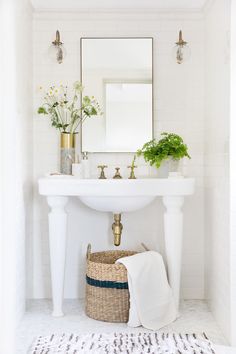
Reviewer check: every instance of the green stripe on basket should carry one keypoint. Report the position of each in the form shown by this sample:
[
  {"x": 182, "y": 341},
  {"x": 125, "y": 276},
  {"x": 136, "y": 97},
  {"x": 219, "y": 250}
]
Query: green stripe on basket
[{"x": 106, "y": 283}]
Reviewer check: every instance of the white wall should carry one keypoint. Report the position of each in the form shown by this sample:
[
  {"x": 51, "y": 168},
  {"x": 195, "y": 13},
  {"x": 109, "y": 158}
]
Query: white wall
[
  {"x": 217, "y": 162},
  {"x": 24, "y": 130},
  {"x": 15, "y": 161},
  {"x": 178, "y": 107},
  {"x": 233, "y": 174}
]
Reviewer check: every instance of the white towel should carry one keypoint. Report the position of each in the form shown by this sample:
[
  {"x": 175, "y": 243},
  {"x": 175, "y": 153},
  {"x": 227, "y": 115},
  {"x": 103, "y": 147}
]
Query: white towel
[{"x": 151, "y": 299}]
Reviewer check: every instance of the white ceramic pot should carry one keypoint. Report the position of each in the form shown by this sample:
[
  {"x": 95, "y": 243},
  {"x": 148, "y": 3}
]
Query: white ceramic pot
[{"x": 167, "y": 167}]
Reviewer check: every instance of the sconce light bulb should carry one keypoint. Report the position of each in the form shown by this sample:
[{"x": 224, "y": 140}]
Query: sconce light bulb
[
  {"x": 60, "y": 56},
  {"x": 56, "y": 51},
  {"x": 181, "y": 53}
]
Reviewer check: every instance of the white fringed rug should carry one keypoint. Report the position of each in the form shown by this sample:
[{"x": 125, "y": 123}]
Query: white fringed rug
[{"x": 126, "y": 343}]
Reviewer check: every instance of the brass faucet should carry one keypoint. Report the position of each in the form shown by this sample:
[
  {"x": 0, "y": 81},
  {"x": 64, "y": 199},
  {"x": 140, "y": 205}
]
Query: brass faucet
[
  {"x": 132, "y": 167},
  {"x": 102, "y": 173},
  {"x": 132, "y": 175},
  {"x": 117, "y": 174}
]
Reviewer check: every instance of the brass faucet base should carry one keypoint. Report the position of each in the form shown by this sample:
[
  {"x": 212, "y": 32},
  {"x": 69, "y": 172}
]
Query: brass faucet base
[
  {"x": 132, "y": 175},
  {"x": 102, "y": 173},
  {"x": 117, "y": 229},
  {"x": 117, "y": 174}
]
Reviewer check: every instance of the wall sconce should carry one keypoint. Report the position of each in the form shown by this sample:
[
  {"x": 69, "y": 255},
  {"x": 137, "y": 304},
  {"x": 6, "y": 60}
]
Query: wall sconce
[
  {"x": 181, "y": 51},
  {"x": 56, "y": 50}
]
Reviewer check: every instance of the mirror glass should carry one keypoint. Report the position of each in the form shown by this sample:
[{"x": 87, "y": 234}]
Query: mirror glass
[{"x": 118, "y": 73}]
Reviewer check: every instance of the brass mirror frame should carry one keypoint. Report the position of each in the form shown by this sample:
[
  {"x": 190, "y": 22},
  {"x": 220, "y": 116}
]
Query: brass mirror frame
[{"x": 81, "y": 80}]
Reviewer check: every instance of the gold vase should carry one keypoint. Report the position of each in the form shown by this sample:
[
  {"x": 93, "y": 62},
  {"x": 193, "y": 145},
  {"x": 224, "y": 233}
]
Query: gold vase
[{"x": 68, "y": 144}]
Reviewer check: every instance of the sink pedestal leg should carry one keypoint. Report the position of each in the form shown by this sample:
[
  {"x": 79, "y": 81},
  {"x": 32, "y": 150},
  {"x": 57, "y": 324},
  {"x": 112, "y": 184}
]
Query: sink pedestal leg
[
  {"x": 173, "y": 226},
  {"x": 57, "y": 239}
]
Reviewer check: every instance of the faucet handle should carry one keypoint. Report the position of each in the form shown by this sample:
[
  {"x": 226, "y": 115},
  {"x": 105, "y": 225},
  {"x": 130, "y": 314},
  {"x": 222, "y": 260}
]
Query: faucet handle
[
  {"x": 117, "y": 174},
  {"x": 132, "y": 175},
  {"x": 102, "y": 173}
]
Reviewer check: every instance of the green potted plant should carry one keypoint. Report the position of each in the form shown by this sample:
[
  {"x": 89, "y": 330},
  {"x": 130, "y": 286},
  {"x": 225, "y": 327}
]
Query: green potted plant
[
  {"x": 170, "y": 148},
  {"x": 67, "y": 113}
]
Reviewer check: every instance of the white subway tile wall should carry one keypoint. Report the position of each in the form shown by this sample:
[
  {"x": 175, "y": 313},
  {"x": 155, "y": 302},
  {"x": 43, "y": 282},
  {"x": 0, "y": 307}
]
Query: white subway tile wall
[
  {"x": 233, "y": 175},
  {"x": 16, "y": 162},
  {"x": 178, "y": 107},
  {"x": 217, "y": 233},
  {"x": 24, "y": 65}
]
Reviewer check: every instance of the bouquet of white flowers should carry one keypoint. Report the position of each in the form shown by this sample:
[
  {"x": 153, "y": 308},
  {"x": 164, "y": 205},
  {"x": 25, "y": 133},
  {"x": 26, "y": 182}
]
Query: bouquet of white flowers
[{"x": 65, "y": 112}]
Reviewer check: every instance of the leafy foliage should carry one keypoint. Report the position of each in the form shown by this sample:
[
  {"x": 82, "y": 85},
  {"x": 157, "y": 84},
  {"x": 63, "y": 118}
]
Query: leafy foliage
[
  {"x": 66, "y": 114},
  {"x": 170, "y": 146}
]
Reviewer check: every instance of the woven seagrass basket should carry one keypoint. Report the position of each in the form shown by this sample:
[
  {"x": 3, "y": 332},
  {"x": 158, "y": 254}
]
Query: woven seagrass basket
[{"x": 107, "y": 293}]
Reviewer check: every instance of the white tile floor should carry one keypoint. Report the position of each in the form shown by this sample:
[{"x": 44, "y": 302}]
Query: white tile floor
[{"x": 195, "y": 318}]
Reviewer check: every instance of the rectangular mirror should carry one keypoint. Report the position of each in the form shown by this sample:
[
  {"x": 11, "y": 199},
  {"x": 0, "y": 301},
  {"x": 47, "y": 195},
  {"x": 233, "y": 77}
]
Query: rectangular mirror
[{"x": 118, "y": 73}]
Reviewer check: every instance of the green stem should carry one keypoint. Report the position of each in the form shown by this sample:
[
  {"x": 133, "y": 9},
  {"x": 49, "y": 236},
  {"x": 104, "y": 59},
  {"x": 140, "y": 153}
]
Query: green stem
[
  {"x": 75, "y": 124},
  {"x": 59, "y": 115},
  {"x": 80, "y": 122}
]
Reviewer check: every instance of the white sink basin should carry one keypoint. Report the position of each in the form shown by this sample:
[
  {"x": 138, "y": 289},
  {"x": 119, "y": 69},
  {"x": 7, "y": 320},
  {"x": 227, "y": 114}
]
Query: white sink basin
[
  {"x": 117, "y": 204},
  {"x": 116, "y": 196}
]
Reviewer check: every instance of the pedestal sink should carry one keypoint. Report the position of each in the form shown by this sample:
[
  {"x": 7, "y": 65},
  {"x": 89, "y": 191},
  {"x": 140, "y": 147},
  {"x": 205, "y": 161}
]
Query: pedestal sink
[{"x": 116, "y": 196}]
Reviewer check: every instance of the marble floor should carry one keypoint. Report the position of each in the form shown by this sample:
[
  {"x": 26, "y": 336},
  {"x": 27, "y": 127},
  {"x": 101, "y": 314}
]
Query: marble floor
[{"x": 195, "y": 318}]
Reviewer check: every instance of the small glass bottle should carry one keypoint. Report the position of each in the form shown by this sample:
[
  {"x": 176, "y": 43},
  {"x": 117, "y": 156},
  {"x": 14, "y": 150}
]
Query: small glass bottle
[{"x": 77, "y": 168}]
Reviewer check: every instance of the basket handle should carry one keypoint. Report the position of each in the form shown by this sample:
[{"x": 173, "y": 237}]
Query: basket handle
[
  {"x": 89, "y": 247},
  {"x": 145, "y": 247}
]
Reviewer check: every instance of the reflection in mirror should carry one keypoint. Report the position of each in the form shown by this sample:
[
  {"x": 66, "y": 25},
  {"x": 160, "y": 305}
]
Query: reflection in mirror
[{"x": 118, "y": 72}]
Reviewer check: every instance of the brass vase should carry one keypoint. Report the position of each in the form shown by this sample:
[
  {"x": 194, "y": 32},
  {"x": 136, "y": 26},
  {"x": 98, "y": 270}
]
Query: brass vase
[{"x": 67, "y": 156}]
